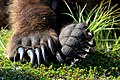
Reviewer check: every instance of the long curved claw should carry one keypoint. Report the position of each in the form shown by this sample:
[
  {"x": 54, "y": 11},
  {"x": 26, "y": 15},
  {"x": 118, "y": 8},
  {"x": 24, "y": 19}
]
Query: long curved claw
[
  {"x": 51, "y": 46},
  {"x": 15, "y": 57},
  {"x": 90, "y": 35},
  {"x": 90, "y": 43},
  {"x": 31, "y": 55},
  {"x": 43, "y": 52},
  {"x": 59, "y": 58},
  {"x": 74, "y": 61},
  {"x": 87, "y": 50},
  {"x": 83, "y": 55},
  {"x": 21, "y": 52},
  {"x": 39, "y": 55}
]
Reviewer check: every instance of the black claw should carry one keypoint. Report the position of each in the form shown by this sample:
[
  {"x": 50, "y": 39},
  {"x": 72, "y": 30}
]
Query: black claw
[
  {"x": 51, "y": 46},
  {"x": 21, "y": 52},
  {"x": 37, "y": 51},
  {"x": 90, "y": 35},
  {"x": 31, "y": 55},
  {"x": 91, "y": 43},
  {"x": 43, "y": 52},
  {"x": 74, "y": 61},
  {"x": 87, "y": 50},
  {"x": 15, "y": 57},
  {"x": 59, "y": 58},
  {"x": 83, "y": 55}
]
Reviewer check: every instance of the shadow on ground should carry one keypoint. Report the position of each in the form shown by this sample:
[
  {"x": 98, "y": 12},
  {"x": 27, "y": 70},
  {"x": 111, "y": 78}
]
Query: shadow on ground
[{"x": 108, "y": 63}]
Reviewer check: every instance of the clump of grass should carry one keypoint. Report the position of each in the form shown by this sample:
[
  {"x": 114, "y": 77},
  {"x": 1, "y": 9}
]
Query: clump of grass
[
  {"x": 103, "y": 20},
  {"x": 78, "y": 16}
]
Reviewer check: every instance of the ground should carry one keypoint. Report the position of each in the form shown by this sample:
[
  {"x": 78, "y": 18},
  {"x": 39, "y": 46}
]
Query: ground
[{"x": 98, "y": 65}]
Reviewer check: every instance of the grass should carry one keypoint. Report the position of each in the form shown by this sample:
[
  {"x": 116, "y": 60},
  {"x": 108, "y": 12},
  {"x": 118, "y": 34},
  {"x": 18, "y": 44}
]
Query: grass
[
  {"x": 97, "y": 66},
  {"x": 100, "y": 65},
  {"x": 103, "y": 20}
]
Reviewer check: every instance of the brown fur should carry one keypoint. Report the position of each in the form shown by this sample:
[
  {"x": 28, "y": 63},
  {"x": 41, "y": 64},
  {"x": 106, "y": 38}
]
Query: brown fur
[
  {"x": 29, "y": 17},
  {"x": 3, "y": 13},
  {"x": 35, "y": 17}
]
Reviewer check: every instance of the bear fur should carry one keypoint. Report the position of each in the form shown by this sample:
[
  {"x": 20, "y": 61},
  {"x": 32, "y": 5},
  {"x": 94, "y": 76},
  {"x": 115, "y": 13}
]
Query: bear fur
[{"x": 30, "y": 19}]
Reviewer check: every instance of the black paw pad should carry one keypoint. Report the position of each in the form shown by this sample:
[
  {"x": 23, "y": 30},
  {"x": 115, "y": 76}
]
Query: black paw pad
[{"x": 76, "y": 40}]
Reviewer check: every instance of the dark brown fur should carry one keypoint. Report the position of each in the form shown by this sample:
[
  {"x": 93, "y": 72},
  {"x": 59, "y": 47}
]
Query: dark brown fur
[
  {"x": 30, "y": 17},
  {"x": 3, "y": 13}
]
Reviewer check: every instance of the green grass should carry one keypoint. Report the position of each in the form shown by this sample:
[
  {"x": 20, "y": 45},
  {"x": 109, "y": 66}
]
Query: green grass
[
  {"x": 103, "y": 20},
  {"x": 96, "y": 66},
  {"x": 100, "y": 65}
]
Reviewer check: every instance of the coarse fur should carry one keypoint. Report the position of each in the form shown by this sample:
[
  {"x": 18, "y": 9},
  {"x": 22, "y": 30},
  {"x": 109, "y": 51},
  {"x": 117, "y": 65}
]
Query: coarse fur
[{"x": 30, "y": 18}]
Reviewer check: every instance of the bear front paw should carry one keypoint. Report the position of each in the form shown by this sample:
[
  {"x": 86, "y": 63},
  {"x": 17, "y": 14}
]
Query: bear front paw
[
  {"x": 76, "y": 41},
  {"x": 37, "y": 47}
]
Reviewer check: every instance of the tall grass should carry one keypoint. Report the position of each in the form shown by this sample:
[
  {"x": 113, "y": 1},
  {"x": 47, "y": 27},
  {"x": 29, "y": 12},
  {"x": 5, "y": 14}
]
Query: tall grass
[
  {"x": 103, "y": 20},
  {"x": 79, "y": 13}
]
